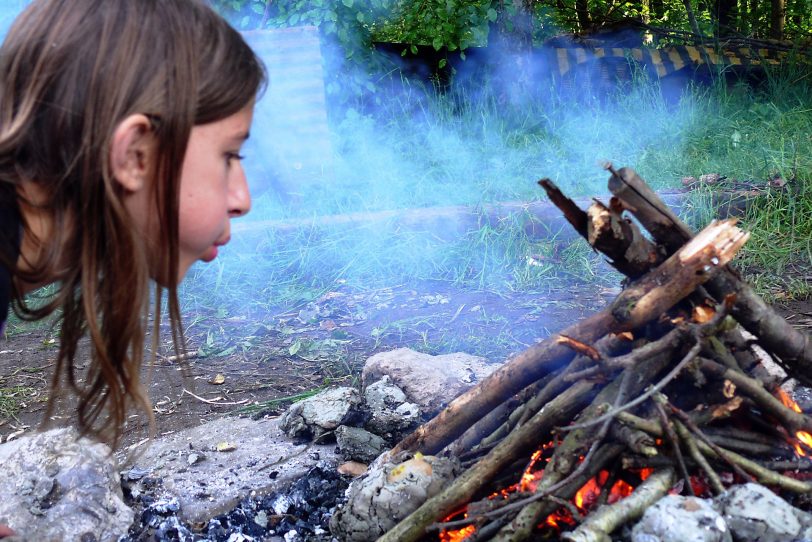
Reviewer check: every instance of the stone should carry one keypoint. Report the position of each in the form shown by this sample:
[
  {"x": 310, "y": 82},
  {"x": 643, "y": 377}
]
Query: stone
[
  {"x": 681, "y": 519},
  {"x": 430, "y": 381},
  {"x": 753, "y": 512},
  {"x": 390, "y": 490},
  {"x": 261, "y": 459},
  {"x": 59, "y": 487},
  {"x": 322, "y": 413},
  {"x": 359, "y": 444},
  {"x": 391, "y": 415}
]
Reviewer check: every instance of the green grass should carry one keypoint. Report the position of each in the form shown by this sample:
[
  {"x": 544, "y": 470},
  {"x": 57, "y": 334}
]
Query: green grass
[{"x": 273, "y": 405}]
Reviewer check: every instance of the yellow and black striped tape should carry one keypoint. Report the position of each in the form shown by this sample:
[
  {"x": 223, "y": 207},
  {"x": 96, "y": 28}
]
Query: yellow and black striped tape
[{"x": 666, "y": 60}]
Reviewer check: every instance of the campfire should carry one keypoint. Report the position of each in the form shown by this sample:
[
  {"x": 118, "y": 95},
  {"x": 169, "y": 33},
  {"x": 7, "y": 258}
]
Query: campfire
[{"x": 673, "y": 389}]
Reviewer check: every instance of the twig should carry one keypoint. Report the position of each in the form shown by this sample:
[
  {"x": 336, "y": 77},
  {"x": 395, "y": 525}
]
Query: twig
[
  {"x": 671, "y": 436},
  {"x": 215, "y": 401},
  {"x": 181, "y": 357},
  {"x": 693, "y": 450}
]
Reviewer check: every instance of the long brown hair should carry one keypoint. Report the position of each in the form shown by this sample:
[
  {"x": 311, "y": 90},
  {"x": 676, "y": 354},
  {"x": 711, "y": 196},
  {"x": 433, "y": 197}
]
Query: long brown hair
[{"x": 70, "y": 71}]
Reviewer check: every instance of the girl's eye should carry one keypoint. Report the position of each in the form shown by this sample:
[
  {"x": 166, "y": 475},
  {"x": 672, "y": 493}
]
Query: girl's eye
[{"x": 230, "y": 156}]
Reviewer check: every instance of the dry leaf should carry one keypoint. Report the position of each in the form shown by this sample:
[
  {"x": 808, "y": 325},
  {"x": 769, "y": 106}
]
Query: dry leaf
[
  {"x": 691, "y": 505},
  {"x": 703, "y": 314},
  {"x": 328, "y": 325},
  {"x": 226, "y": 446},
  {"x": 352, "y": 468},
  {"x": 218, "y": 379},
  {"x": 580, "y": 347},
  {"x": 725, "y": 410},
  {"x": 729, "y": 389}
]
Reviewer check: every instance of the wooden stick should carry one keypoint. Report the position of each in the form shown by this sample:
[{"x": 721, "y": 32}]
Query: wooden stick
[
  {"x": 794, "y": 421},
  {"x": 693, "y": 450}
]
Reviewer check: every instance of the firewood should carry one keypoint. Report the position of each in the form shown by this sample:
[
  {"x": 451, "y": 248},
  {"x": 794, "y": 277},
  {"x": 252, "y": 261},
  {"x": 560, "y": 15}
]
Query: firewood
[
  {"x": 793, "y": 347},
  {"x": 586, "y": 403},
  {"x": 465, "y": 486},
  {"x": 693, "y": 450},
  {"x": 564, "y": 464},
  {"x": 794, "y": 421},
  {"x": 644, "y": 300},
  {"x": 606, "y": 231}
]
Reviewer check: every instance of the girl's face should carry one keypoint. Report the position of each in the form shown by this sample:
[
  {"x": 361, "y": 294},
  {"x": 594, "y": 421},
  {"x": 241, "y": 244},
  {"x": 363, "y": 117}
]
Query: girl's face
[{"x": 213, "y": 187}]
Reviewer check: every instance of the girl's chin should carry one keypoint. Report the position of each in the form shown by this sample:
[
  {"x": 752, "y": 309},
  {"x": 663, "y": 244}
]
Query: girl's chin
[{"x": 210, "y": 254}]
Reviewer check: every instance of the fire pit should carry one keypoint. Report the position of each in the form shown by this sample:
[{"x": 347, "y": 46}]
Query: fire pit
[{"x": 665, "y": 392}]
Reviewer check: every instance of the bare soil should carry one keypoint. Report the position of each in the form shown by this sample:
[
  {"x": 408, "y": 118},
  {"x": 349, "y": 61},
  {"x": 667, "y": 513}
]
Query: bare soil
[{"x": 240, "y": 364}]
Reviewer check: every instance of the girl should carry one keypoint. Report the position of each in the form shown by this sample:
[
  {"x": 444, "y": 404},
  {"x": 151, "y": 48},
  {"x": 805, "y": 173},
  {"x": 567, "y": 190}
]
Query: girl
[{"x": 121, "y": 123}]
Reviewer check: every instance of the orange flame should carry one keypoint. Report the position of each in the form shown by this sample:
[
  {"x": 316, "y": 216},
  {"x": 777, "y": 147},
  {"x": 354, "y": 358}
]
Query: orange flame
[
  {"x": 803, "y": 436},
  {"x": 619, "y": 491},
  {"x": 645, "y": 473},
  {"x": 458, "y": 535},
  {"x": 586, "y": 496}
]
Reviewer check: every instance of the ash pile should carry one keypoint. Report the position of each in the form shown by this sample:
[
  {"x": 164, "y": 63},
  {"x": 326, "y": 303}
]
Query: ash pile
[
  {"x": 301, "y": 512},
  {"x": 667, "y": 417}
]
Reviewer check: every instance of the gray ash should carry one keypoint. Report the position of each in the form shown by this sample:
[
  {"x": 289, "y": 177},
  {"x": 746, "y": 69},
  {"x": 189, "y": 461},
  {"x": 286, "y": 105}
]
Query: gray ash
[{"x": 299, "y": 514}]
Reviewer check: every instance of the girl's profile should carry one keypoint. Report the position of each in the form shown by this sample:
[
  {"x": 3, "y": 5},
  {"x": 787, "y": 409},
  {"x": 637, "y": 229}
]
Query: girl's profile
[{"x": 121, "y": 124}]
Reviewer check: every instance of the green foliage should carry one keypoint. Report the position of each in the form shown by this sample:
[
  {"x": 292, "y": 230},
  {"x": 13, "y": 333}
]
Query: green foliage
[{"x": 443, "y": 24}]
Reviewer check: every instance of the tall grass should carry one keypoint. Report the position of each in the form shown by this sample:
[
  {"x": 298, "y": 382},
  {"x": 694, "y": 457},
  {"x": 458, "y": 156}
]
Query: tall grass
[{"x": 424, "y": 149}]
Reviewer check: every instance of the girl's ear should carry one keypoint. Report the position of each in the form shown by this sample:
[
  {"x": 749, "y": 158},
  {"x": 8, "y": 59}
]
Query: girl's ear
[{"x": 132, "y": 152}]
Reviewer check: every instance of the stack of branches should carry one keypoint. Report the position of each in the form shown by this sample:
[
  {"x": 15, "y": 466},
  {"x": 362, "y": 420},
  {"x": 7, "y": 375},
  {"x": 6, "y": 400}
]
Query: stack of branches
[{"x": 666, "y": 377}]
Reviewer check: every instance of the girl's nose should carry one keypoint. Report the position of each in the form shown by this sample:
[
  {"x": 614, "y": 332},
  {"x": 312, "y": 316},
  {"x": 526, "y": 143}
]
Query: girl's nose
[{"x": 239, "y": 194}]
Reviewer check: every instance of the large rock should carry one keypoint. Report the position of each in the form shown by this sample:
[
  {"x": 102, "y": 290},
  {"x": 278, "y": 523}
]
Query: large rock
[
  {"x": 357, "y": 444},
  {"x": 430, "y": 381},
  {"x": 681, "y": 519},
  {"x": 391, "y": 415},
  {"x": 322, "y": 413},
  {"x": 206, "y": 470},
  {"x": 387, "y": 493},
  {"x": 753, "y": 512},
  {"x": 58, "y": 487}
]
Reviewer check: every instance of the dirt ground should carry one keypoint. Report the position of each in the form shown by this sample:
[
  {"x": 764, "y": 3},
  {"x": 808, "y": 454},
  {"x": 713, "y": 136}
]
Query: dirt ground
[{"x": 245, "y": 364}]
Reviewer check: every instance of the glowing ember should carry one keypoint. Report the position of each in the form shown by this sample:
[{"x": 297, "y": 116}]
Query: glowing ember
[
  {"x": 645, "y": 473},
  {"x": 458, "y": 535},
  {"x": 619, "y": 491},
  {"x": 803, "y": 436},
  {"x": 587, "y": 495}
]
